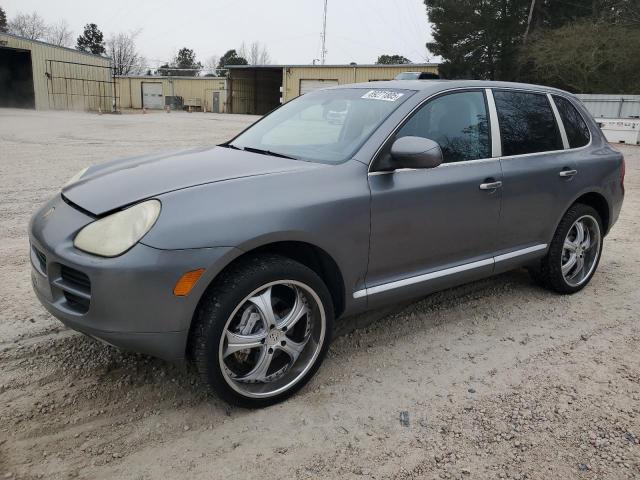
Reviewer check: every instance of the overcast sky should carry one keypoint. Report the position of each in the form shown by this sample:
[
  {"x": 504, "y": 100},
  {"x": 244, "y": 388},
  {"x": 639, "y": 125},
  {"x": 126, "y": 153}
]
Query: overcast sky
[{"x": 357, "y": 30}]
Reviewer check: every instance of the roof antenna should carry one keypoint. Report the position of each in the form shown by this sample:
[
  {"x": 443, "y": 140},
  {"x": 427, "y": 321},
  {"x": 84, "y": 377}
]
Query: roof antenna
[{"x": 323, "y": 52}]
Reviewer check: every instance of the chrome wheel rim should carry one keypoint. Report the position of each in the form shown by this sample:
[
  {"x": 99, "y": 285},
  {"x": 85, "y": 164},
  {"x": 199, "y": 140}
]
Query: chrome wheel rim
[
  {"x": 272, "y": 339},
  {"x": 580, "y": 250}
]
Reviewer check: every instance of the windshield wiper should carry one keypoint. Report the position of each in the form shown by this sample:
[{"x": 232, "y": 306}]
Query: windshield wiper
[
  {"x": 267, "y": 152},
  {"x": 256, "y": 150},
  {"x": 229, "y": 145}
]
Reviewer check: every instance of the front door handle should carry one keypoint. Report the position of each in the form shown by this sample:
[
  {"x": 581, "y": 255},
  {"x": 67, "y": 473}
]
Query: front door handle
[
  {"x": 490, "y": 185},
  {"x": 567, "y": 173}
]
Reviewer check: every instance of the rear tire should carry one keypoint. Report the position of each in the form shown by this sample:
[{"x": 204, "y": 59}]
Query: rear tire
[
  {"x": 262, "y": 330},
  {"x": 574, "y": 252}
]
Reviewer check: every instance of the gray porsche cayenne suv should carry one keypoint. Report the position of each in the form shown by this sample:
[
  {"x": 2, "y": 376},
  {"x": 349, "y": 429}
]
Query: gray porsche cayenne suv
[{"x": 240, "y": 257}]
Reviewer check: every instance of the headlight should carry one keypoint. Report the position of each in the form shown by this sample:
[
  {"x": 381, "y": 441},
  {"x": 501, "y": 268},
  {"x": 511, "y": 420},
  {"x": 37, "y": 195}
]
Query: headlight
[
  {"x": 113, "y": 235},
  {"x": 76, "y": 177}
]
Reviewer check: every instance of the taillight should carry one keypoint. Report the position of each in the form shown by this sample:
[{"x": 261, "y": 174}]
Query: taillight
[{"x": 622, "y": 172}]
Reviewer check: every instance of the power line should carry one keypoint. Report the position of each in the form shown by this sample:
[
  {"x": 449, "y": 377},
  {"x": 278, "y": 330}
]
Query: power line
[
  {"x": 400, "y": 39},
  {"x": 412, "y": 21}
]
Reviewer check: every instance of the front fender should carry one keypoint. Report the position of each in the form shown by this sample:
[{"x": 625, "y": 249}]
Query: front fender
[{"x": 325, "y": 207}]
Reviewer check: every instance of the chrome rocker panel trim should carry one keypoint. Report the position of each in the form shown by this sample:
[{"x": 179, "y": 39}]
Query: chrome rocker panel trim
[{"x": 447, "y": 271}]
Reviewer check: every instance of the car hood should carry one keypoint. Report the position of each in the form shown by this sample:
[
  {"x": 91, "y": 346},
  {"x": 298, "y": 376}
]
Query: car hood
[{"x": 118, "y": 183}]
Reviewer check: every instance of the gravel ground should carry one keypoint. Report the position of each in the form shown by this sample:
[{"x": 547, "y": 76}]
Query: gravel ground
[{"x": 495, "y": 379}]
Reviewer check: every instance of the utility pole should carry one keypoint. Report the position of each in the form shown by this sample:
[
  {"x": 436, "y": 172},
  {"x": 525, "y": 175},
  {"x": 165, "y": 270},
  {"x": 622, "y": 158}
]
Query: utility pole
[
  {"x": 526, "y": 32},
  {"x": 323, "y": 53}
]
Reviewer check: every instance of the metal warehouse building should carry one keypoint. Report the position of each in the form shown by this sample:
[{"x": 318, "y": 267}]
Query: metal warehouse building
[
  {"x": 258, "y": 89},
  {"x": 204, "y": 93},
  {"x": 39, "y": 75},
  {"x": 612, "y": 106}
]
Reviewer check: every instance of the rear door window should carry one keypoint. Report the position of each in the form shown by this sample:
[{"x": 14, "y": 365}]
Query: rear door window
[
  {"x": 575, "y": 126},
  {"x": 457, "y": 122},
  {"x": 527, "y": 123}
]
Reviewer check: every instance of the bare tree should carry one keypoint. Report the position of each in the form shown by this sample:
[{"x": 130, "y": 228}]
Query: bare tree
[
  {"x": 121, "y": 48},
  {"x": 243, "y": 52},
  {"x": 256, "y": 53},
  {"x": 581, "y": 56},
  {"x": 211, "y": 65},
  {"x": 59, "y": 34},
  {"x": 141, "y": 67},
  {"x": 31, "y": 26},
  {"x": 265, "y": 57}
]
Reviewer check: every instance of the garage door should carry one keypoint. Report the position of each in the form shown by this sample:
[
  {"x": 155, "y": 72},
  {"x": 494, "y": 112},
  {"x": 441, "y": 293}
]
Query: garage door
[
  {"x": 307, "y": 86},
  {"x": 152, "y": 95},
  {"x": 16, "y": 79}
]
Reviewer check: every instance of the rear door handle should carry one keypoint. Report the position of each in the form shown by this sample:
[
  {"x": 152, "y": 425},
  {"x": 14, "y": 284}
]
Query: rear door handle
[
  {"x": 567, "y": 173},
  {"x": 490, "y": 185}
]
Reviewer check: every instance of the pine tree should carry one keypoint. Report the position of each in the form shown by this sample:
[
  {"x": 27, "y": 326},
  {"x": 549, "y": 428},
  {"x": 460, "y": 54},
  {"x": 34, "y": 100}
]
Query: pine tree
[
  {"x": 477, "y": 39},
  {"x": 3, "y": 20},
  {"x": 91, "y": 40}
]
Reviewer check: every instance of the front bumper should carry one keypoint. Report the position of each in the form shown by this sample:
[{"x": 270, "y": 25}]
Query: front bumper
[{"x": 126, "y": 301}]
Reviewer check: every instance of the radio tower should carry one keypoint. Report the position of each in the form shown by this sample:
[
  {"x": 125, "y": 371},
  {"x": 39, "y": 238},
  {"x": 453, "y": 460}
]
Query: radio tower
[{"x": 323, "y": 53}]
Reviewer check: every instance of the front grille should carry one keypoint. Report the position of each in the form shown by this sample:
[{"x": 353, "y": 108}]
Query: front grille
[
  {"x": 75, "y": 278},
  {"x": 42, "y": 259}
]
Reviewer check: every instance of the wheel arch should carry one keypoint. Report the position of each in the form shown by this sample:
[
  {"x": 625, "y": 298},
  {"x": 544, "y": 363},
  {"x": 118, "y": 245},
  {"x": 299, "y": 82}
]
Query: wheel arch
[
  {"x": 315, "y": 258},
  {"x": 598, "y": 202},
  {"x": 308, "y": 254}
]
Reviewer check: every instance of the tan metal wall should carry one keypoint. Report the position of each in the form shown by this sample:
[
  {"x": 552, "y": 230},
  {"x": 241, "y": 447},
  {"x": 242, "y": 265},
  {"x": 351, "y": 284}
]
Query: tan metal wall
[
  {"x": 75, "y": 98},
  {"x": 130, "y": 89},
  {"x": 344, "y": 74}
]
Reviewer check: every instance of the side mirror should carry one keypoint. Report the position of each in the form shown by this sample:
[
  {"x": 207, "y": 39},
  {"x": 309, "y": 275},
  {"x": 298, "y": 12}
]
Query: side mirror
[{"x": 415, "y": 152}]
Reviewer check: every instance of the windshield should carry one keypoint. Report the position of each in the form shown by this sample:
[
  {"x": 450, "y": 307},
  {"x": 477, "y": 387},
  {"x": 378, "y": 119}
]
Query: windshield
[{"x": 324, "y": 126}]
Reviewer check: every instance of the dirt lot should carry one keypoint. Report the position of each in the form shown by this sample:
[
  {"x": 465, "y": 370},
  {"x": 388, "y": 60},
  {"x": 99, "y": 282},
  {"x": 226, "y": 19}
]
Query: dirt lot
[{"x": 496, "y": 379}]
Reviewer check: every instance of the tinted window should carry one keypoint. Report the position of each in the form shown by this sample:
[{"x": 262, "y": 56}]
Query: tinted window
[
  {"x": 527, "y": 123},
  {"x": 574, "y": 125},
  {"x": 458, "y": 122}
]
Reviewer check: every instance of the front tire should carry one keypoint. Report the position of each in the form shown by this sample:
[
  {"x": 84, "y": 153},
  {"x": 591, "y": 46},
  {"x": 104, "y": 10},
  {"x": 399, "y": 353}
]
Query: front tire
[
  {"x": 262, "y": 330},
  {"x": 574, "y": 252}
]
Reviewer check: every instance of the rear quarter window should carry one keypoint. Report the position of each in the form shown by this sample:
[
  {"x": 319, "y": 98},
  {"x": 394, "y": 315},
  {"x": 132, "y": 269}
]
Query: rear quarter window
[
  {"x": 527, "y": 123},
  {"x": 575, "y": 126}
]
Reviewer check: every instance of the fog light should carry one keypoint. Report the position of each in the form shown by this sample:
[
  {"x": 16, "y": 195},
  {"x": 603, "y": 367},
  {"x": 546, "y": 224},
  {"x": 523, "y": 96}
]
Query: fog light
[{"x": 187, "y": 282}]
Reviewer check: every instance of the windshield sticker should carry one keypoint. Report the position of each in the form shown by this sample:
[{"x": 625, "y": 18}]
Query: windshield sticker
[{"x": 384, "y": 95}]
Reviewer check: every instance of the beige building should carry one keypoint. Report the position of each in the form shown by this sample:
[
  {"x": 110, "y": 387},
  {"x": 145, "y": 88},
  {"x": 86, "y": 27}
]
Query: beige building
[
  {"x": 154, "y": 92},
  {"x": 39, "y": 75},
  {"x": 260, "y": 88}
]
